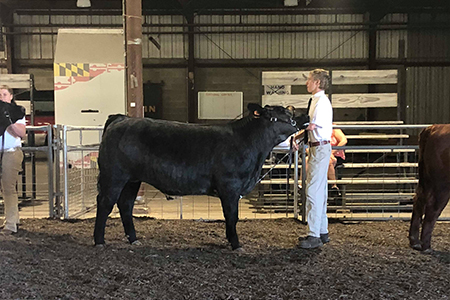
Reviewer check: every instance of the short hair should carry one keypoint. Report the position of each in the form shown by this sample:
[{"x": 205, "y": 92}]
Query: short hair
[
  {"x": 322, "y": 75},
  {"x": 5, "y": 87}
]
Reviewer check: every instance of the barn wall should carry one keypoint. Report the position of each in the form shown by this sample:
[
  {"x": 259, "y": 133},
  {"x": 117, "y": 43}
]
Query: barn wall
[
  {"x": 311, "y": 42},
  {"x": 174, "y": 91},
  {"x": 427, "y": 43},
  {"x": 281, "y": 45},
  {"x": 171, "y": 45},
  {"x": 388, "y": 40},
  {"x": 323, "y": 43},
  {"x": 428, "y": 95}
]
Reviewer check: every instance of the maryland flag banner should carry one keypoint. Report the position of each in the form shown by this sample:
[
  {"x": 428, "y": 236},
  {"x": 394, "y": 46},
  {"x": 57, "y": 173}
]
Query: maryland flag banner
[
  {"x": 67, "y": 74},
  {"x": 69, "y": 69}
]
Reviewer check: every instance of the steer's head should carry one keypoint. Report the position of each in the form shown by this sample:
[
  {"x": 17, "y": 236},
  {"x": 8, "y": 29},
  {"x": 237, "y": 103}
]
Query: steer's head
[
  {"x": 9, "y": 114},
  {"x": 283, "y": 118}
]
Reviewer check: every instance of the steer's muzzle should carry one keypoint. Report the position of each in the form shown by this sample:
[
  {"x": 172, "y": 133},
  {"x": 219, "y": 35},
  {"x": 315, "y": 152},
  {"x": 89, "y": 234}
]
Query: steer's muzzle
[{"x": 302, "y": 121}]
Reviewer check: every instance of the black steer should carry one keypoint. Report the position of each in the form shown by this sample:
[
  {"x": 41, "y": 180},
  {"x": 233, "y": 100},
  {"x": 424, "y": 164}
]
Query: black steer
[
  {"x": 186, "y": 159},
  {"x": 9, "y": 114}
]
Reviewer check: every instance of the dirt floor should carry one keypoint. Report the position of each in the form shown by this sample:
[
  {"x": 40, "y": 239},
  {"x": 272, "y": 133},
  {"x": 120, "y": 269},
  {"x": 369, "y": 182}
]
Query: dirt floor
[{"x": 185, "y": 259}]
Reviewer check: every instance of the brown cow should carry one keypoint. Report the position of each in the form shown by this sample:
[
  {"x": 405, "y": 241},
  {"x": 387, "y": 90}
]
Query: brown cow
[{"x": 433, "y": 190}]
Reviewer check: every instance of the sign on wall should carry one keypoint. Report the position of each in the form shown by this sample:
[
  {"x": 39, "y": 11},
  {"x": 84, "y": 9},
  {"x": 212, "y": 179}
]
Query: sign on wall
[
  {"x": 220, "y": 105},
  {"x": 277, "y": 89}
]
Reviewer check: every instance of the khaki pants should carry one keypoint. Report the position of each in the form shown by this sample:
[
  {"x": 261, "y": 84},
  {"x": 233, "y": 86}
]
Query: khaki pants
[
  {"x": 317, "y": 190},
  {"x": 11, "y": 165}
]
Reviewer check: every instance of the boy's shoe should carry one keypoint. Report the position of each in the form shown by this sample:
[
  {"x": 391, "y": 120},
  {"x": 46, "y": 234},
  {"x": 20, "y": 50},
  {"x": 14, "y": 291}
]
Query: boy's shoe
[
  {"x": 324, "y": 238},
  {"x": 311, "y": 242},
  {"x": 5, "y": 231}
]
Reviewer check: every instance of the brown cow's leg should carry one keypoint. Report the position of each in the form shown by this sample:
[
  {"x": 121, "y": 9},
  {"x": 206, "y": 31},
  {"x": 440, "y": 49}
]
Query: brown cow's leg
[
  {"x": 416, "y": 219},
  {"x": 126, "y": 204},
  {"x": 432, "y": 212}
]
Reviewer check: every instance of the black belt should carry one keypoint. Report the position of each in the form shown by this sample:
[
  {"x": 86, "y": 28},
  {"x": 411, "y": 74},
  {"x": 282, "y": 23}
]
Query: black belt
[{"x": 320, "y": 143}]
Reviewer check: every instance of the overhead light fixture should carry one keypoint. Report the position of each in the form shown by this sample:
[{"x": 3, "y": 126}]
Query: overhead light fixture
[
  {"x": 290, "y": 2},
  {"x": 83, "y": 3}
]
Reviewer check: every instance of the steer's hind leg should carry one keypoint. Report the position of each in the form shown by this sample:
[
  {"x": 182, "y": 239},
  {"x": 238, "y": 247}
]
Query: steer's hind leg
[
  {"x": 104, "y": 208},
  {"x": 106, "y": 198},
  {"x": 432, "y": 212},
  {"x": 126, "y": 204},
  {"x": 416, "y": 219},
  {"x": 230, "y": 212}
]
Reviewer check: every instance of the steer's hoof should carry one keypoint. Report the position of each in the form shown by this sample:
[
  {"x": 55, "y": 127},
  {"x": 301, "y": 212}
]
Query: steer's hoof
[
  {"x": 417, "y": 247},
  {"x": 136, "y": 243},
  {"x": 239, "y": 250},
  {"x": 100, "y": 246},
  {"x": 427, "y": 251}
]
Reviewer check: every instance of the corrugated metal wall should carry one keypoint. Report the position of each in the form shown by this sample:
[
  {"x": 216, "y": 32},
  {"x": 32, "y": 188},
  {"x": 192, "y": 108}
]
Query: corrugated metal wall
[
  {"x": 42, "y": 46},
  {"x": 428, "y": 95},
  {"x": 324, "y": 41},
  {"x": 171, "y": 45},
  {"x": 427, "y": 92},
  {"x": 426, "y": 43},
  {"x": 312, "y": 42},
  {"x": 388, "y": 40}
]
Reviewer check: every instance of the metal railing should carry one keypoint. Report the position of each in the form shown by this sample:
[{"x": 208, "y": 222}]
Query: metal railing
[{"x": 376, "y": 181}]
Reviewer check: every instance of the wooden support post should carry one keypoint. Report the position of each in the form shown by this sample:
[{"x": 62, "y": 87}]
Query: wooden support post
[
  {"x": 133, "y": 40},
  {"x": 6, "y": 16},
  {"x": 401, "y": 86},
  {"x": 192, "y": 95}
]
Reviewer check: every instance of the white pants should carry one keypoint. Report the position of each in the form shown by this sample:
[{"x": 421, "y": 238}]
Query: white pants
[{"x": 317, "y": 190}]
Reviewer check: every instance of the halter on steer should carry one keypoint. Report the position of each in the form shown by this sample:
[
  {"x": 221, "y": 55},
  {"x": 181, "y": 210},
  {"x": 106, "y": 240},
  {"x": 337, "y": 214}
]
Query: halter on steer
[{"x": 293, "y": 123}]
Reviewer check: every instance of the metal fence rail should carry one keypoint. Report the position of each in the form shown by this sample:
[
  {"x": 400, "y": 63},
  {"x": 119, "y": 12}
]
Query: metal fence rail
[{"x": 377, "y": 182}]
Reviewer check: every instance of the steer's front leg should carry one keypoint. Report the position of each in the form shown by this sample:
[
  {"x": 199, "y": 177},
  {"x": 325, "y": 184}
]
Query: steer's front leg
[{"x": 230, "y": 212}]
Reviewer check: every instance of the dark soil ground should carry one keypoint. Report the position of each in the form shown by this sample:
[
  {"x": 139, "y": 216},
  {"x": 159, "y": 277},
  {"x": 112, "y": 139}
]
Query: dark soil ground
[{"x": 183, "y": 259}]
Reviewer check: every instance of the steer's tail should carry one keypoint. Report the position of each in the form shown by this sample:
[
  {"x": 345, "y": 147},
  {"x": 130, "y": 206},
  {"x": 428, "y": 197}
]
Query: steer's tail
[{"x": 113, "y": 119}]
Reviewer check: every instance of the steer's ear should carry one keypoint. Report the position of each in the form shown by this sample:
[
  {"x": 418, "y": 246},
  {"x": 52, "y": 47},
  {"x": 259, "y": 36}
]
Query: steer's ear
[{"x": 256, "y": 109}]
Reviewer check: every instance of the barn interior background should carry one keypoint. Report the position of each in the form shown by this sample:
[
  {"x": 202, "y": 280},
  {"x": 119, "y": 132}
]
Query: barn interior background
[{"x": 197, "y": 46}]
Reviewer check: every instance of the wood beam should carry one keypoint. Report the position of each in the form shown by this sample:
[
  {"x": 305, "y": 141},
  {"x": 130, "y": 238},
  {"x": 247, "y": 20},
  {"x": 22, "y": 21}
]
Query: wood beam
[
  {"x": 6, "y": 15},
  {"x": 192, "y": 93},
  {"x": 133, "y": 40}
]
